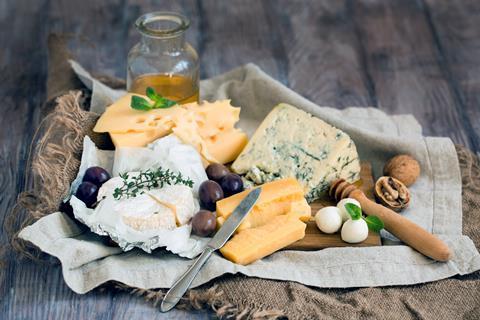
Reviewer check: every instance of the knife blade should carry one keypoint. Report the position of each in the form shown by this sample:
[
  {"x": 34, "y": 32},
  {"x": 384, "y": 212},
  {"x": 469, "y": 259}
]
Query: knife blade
[
  {"x": 179, "y": 288},
  {"x": 234, "y": 220}
]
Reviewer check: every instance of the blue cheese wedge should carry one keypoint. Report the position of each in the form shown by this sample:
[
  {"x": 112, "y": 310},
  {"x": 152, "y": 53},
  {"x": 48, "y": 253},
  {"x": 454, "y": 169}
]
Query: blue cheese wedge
[{"x": 293, "y": 143}]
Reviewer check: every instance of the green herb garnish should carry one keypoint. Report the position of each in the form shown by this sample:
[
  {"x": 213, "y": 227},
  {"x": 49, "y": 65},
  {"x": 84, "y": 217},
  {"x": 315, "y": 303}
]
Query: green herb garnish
[
  {"x": 354, "y": 211},
  {"x": 148, "y": 179},
  {"x": 374, "y": 223},
  {"x": 158, "y": 101}
]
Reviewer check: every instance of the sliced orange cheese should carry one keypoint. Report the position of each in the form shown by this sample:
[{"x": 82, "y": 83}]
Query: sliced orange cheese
[
  {"x": 250, "y": 245},
  {"x": 271, "y": 191},
  {"x": 209, "y": 127},
  {"x": 264, "y": 214},
  {"x": 300, "y": 210},
  {"x": 277, "y": 198}
]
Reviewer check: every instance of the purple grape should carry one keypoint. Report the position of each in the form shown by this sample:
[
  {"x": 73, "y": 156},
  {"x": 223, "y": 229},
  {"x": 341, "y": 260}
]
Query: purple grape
[
  {"x": 216, "y": 172},
  {"x": 204, "y": 223},
  {"x": 87, "y": 192},
  {"x": 231, "y": 184},
  {"x": 209, "y": 193},
  {"x": 96, "y": 175}
]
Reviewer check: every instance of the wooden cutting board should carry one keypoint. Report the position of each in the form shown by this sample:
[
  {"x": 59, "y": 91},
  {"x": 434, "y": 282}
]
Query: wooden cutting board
[{"x": 315, "y": 239}]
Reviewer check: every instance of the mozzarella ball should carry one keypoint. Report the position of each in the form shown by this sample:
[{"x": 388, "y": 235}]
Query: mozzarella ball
[
  {"x": 354, "y": 231},
  {"x": 328, "y": 219},
  {"x": 341, "y": 206}
]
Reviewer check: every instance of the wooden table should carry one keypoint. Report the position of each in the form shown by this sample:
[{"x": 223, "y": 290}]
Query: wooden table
[{"x": 420, "y": 57}]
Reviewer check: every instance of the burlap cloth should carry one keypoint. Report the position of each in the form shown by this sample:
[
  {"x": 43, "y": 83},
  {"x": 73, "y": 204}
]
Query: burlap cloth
[{"x": 238, "y": 296}]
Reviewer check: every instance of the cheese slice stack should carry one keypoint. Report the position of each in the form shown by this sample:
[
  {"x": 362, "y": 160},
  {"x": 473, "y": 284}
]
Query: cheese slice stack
[
  {"x": 293, "y": 143},
  {"x": 277, "y": 198},
  {"x": 275, "y": 221},
  {"x": 209, "y": 127}
]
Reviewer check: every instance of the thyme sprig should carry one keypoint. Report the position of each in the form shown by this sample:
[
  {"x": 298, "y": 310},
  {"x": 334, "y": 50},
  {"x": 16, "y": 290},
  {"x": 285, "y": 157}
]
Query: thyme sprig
[{"x": 134, "y": 185}]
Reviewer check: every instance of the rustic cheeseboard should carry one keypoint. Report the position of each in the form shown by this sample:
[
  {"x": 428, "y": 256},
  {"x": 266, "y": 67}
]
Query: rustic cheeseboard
[
  {"x": 177, "y": 164},
  {"x": 315, "y": 239},
  {"x": 170, "y": 160}
]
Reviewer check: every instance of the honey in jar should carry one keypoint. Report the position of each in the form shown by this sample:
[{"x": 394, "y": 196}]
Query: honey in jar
[
  {"x": 163, "y": 59},
  {"x": 174, "y": 87}
]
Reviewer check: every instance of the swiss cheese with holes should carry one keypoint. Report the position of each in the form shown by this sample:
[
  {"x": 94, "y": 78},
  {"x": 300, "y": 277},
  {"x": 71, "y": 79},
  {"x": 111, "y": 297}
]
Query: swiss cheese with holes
[{"x": 209, "y": 127}]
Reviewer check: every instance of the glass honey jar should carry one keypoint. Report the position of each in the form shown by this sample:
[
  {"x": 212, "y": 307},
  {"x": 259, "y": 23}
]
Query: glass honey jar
[{"x": 163, "y": 59}]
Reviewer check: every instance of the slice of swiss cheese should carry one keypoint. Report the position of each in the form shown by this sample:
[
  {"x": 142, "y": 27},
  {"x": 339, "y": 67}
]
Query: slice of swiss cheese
[
  {"x": 226, "y": 145},
  {"x": 209, "y": 127},
  {"x": 121, "y": 118}
]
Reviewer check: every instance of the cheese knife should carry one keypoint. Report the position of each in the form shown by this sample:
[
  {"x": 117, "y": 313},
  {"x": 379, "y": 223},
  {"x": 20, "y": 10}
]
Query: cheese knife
[{"x": 179, "y": 288}]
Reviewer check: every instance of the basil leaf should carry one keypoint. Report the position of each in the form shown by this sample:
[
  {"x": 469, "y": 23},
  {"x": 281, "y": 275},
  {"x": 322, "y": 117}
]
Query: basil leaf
[
  {"x": 169, "y": 103},
  {"x": 354, "y": 211},
  {"x": 163, "y": 103},
  {"x": 159, "y": 102},
  {"x": 140, "y": 103},
  {"x": 152, "y": 95},
  {"x": 374, "y": 223}
]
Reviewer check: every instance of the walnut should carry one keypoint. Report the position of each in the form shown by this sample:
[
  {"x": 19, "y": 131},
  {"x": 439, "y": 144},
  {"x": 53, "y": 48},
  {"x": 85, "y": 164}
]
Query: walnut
[
  {"x": 392, "y": 193},
  {"x": 402, "y": 167}
]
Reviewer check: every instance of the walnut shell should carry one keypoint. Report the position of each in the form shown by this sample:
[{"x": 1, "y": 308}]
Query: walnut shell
[
  {"x": 392, "y": 193},
  {"x": 404, "y": 168}
]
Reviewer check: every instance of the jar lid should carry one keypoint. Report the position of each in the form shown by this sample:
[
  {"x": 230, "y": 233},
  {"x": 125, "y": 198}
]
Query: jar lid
[{"x": 162, "y": 24}]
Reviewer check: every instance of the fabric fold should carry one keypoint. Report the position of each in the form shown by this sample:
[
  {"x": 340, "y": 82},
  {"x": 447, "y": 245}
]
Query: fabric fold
[{"x": 436, "y": 205}]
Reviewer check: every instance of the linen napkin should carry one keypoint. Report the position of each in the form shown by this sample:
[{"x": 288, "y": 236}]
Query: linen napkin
[{"x": 435, "y": 205}]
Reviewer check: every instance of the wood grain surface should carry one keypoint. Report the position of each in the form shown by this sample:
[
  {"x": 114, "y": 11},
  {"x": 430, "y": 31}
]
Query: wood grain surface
[
  {"x": 401, "y": 56},
  {"x": 316, "y": 240}
]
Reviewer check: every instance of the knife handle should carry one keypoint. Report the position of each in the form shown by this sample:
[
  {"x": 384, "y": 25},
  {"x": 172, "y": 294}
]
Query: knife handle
[{"x": 179, "y": 288}]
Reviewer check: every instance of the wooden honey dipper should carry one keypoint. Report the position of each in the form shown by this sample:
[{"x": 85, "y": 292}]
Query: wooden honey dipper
[{"x": 404, "y": 229}]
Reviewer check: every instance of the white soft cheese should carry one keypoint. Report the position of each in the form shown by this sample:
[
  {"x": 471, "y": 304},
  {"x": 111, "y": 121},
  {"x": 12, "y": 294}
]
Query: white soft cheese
[
  {"x": 343, "y": 211},
  {"x": 179, "y": 196},
  {"x": 156, "y": 218},
  {"x": 328, "y": 219},
  {"x": 169, "y": 153},
  {"x": 354, "y": 231},
  {"x": 156, "y": 209}
]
